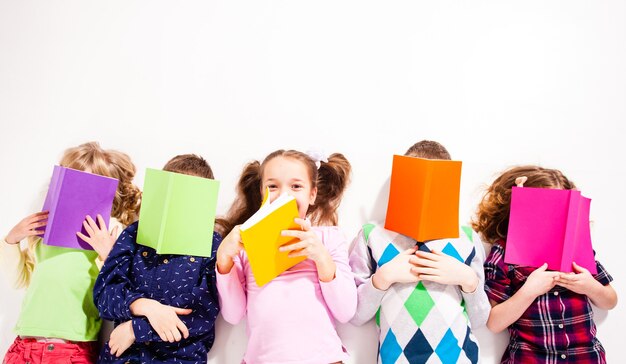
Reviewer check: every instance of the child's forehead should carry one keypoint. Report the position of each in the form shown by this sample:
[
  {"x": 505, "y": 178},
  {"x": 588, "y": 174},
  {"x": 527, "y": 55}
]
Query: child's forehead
[{"x": 284, "y": 168}]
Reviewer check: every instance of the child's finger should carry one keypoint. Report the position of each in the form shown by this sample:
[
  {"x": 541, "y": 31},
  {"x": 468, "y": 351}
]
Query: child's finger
[
  {"x": 424, "y": 270},
  {"x": 101, "y": 222},
  {"x": 182, "y": 328},
  {"x": 92, "y": 223},
  {"x": 305, "y": 224},
  {"x": 37, "y": 224},
  {"x": 38, "y": 216},
  {"x": 410, "y": 251},
  {"x": 162, "y": 335},
  {"x": 182, "y": 311},
  {"x": 300, "y": 253},
  {"x": 177, "y": 335},
  {"x": 88, "y": 228},
  {"x": 567, "y": 278},
  {"x": 413, "y": 260},
  {"x": 430, "y": 278},
  {"x": 35, "y": 232},
  {"x": 579, "y": 269},
  {"x": 426, "y": 255},
  {"x": 425, "y": 262},
  {"x": 294, "y": 246},
  {"x": 114, "y": 231},
  {"x": 82, "y": 236},
  {"x": 295, "y": 233}
]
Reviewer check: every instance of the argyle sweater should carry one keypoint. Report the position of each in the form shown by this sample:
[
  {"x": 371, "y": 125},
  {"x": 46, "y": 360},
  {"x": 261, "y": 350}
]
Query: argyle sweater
[{"x": 425, "y": 322}]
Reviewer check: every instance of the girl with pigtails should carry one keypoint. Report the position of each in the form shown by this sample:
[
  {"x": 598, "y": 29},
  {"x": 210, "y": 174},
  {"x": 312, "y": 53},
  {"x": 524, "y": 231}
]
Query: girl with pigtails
[{"x": 292, "y": 318}]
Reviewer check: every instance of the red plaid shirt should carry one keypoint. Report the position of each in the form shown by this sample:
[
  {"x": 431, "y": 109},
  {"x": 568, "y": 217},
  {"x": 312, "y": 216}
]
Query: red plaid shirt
[{"x": 557, "y": 327}]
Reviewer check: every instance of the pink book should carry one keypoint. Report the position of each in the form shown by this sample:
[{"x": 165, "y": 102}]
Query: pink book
[{"x": 549, "y": 226}]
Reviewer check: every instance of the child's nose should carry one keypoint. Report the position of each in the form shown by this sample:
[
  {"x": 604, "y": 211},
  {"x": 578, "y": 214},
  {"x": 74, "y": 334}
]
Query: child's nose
[{"x": 284, "y": 190}]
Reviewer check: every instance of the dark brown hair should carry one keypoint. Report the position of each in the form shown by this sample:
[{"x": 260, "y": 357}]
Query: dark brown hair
[
  {"x": 492, "y": 215},
  {"x": 331, "y": 180},
  {"x": 195, "y": 165},
  {"x": 428, "y": 149},
  {"x": 190, "y": 164}
]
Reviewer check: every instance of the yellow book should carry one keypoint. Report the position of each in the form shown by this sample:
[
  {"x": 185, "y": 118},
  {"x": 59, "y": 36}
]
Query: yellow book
[{"x": 261, "y": 237}]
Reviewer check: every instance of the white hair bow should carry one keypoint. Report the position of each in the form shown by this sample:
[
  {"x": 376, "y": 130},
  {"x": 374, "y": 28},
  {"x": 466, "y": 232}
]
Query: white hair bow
[{"x": 318, "y": 157}]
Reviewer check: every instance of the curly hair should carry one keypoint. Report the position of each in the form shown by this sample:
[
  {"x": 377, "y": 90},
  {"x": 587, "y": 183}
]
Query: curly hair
[
  {"x": 492, "y": 214},
  {"x": 110, "y": 163}
]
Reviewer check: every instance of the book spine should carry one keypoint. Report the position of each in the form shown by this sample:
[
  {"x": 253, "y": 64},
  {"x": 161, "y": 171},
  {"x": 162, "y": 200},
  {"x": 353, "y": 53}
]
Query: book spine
[
  {"x": 571, "y": 227},
  {"x": 53, "y": 204},
  {"x": 423, "y": 225},
  {"x": 166, "y": 204}
]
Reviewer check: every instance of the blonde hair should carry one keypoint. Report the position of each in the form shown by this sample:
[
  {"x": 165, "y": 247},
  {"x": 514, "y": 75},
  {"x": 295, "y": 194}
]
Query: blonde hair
[
  {"x": 492, "y": 215},
  {"x": 111, "y": 163}
]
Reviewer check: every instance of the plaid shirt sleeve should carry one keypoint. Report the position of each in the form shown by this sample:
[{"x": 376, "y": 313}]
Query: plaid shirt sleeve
[
  {"x": 497, "y": 281},
  {"x": 603, "y": 276}
]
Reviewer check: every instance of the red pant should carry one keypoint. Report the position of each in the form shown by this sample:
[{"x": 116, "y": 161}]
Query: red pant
[{"x": 31, "y": 351}]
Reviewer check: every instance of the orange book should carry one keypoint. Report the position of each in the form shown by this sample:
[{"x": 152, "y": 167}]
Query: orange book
[
  {"x": 424, "y": 198},
  {"x": 261, "y": 237}
]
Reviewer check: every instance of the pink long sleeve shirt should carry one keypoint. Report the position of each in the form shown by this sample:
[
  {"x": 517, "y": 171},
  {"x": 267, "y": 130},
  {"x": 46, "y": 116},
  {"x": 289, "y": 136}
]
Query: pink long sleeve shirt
[{"x": 292, "y": 318}]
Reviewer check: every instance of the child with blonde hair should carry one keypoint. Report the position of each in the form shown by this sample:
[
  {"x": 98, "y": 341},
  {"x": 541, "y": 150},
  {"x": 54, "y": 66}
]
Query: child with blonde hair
[{"x": 62, "y": 279}]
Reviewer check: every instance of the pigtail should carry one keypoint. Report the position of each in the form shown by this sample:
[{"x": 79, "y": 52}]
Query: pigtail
[
  {"x": 248, "y": 199},
  {"x": 332, "y": 179}
]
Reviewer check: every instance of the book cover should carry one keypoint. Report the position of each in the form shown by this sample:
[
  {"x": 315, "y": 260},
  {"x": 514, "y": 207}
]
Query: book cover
[
  {"x": 424, "y": 198},
  {"x": 261, "y": 237},
  {"x": 549, "y": 226},
  {"x": 72, "y": 195},
  {"x": 178, "y": 213}
]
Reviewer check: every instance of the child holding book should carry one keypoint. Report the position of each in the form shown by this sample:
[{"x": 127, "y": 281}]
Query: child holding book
[
  {"x": 292, "y": 318},
  {"x": 548, "y": 314},
  {"x": 426, "y": 296},
  {"x": 164, "y": 305},
  {"x": 60, "y": 280}
]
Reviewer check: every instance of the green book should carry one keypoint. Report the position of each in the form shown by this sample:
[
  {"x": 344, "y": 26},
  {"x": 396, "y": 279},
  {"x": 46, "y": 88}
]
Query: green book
[{"x": 177, "y": 213}]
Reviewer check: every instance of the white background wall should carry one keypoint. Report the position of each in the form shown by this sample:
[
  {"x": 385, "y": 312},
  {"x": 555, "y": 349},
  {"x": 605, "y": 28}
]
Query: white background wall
[{"x": 498, "y": 83}]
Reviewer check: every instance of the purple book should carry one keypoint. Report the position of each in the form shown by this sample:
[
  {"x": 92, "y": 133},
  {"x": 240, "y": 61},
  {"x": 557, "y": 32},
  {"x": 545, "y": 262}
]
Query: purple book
[{"x": 72, "y": 195}]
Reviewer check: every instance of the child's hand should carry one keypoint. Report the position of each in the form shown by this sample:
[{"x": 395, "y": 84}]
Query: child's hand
[
  {"x": 310, "y": 246},
  {"x": 441, "y": 268},
  {"x": 27, "y": 227},
  {"x": 98, "y": 236},
  {"x": 163, "y": 319},
  {"x": 122, "y": 337},
  {"x": 397, "y": 270},
  {"x": 539, "y": 281},
  {"x": 581, "y": 282},
  {"x": 230, "y": 247}
]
